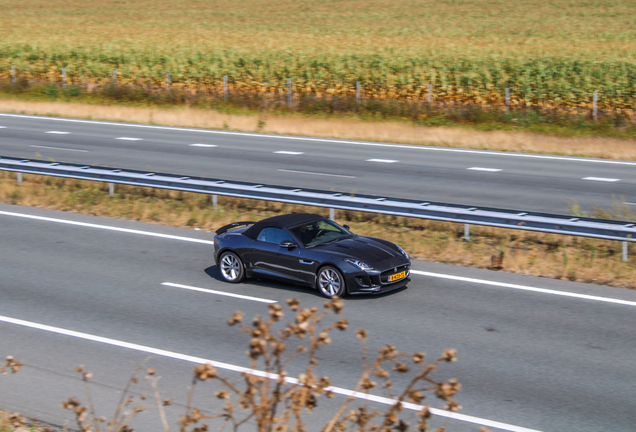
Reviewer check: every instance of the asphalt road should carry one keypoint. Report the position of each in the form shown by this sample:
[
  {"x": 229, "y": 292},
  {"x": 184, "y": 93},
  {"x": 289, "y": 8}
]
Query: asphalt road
[
  {"x": 534, "y": 354},
  {"x": 480, "y": 178}
]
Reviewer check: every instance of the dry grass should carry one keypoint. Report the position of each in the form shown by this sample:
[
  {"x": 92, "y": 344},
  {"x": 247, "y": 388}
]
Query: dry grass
[
  {"x": 336, "y": 128},
  {"x": 547, "y": 255}
]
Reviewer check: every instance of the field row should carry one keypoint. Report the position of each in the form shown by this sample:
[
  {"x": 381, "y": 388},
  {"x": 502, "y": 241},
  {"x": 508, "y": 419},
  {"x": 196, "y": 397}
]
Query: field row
[{"x": 543, "y": 81}]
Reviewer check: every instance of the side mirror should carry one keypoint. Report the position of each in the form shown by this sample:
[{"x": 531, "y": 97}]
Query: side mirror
[
  {"x": 347, "y": 227},
  {"x": 287, "y": 244}
]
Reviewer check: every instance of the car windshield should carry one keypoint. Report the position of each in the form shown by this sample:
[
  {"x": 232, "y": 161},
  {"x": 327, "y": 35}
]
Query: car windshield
[{"x": 319, "y": 232}]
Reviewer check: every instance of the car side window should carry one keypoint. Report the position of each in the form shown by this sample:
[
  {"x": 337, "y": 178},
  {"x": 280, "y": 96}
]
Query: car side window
[{"x": 273, "y": 235}]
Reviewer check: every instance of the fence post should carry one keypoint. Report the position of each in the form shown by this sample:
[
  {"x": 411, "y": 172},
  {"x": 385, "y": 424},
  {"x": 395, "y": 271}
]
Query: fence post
[
  {"x": 358, "y": 96},
  {"x": 215, "y": 202},
  {"x": 63, "y": 77},
  {"x": 225, "y": 88},
  {"x": 595, "y": 105},
  {"x": 111, "y": 189},
  {"x": 507, "y": 97},
  {"x": 466, "y": 232},
  {"x": 289, "y": 93},
  {"x": 115, "y": 76},
  {"x": 332, "y": 215},
  {"x": 12, "y": 74},
  {"x": 430, "y": 93},
  {"x": 19, "y": 178},
  {"x": 168, "y": 81},
  {"x": 625, "y": 251}
]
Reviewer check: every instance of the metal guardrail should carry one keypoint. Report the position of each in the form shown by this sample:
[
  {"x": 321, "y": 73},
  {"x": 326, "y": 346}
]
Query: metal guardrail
[{"x": 513, "y": 219}]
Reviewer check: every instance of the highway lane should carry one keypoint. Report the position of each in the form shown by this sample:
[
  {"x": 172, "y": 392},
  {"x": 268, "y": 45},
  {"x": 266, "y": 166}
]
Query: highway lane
[
  {"x": 527, "y": 359},
  {"x": 492, "y": 179}
]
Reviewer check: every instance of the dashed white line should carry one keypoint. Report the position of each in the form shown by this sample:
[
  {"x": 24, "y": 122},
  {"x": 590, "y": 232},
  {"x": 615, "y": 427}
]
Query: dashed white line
[
  {"x": 526, "y": 288},
  {"x": 129, "y": 139},
  {"x": 241, "y": 369},
  {"x": 222, "y": 293},
  {"x": 628, "y": 203},
  {"x": 3, "y": 127},
  {"x": 315, "y": 173},
  {"x": 484, "y": 169},
  {"x": 418, "y": 272},
  {"x": 288, "y": 137},
  {"x": 288, "y": 152},
  {"x": 58, "y": 148},
  {"x": 106, "y": 227},
  {"x": 390, "y": 161},
  {"x": 601, "y": 179},
  {"x": 57, "y": 132},
  {"x": 203, "y": 145}
]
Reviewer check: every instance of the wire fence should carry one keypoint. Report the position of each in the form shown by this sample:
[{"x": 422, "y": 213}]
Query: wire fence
[{"x": 413, "y": 101}]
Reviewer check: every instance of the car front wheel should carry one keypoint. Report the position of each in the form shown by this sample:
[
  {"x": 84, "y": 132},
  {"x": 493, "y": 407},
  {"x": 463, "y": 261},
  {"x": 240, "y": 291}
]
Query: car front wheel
[
  {"x": 231, "y": 267},
  {"x": 330, "y": 282}
]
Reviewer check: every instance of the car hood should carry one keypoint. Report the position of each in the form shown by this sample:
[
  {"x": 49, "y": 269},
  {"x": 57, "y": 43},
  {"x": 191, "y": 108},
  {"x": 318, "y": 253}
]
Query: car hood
[{"x": 367, "y": 249}]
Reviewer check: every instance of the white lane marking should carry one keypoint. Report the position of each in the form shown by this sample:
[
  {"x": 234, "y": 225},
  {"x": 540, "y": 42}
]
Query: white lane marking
[
  {"x": 628, "y": 203},
  {"x": 526, "y": 288},
  {"x": 256, "y": 372},
  {"x": 58, "y": 148},
  {"x": 129, "y": 139},
  {"x": 382, "y": 160},
  {"x": 3, "y": 127},
  {"x": 484, "y": 169},
  {"x": 287, "y": 137},
  {"x": 106, "y": 227},
  {"x": 602, "y": 179},
  {"x": 438, "y": 275},
  {"x": 58, "y": 132},
  {"x": 288, "y": 152},
  {"x": 315, "y": 173},
  {"x": 203, "y": 145},
  {"x": 209, "y": 291}
]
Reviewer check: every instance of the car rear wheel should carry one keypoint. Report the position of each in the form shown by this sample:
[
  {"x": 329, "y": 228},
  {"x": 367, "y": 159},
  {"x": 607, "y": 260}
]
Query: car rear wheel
[
  {"x": 330, "y": 282},
  {"x": 231, "y": 267}
]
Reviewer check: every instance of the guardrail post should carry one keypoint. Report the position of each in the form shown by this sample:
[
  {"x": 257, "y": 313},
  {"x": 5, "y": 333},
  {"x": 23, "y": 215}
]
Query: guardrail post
[
  {"x": 168, "y": 81},
  {"x": 332, "y": 215},
  {"x": 19, "y": 178},
  {"x": 215, "y": 202},
  {"x": 225, "y": 91},
  {"x": 595, "y": 105},
  {"x": 507, "y": 97},
  {"x": 625, "y": 251},
  {"x": 466, "y": 232},
  {"x": 358, "y": 96},
  {"x": 12, "y": 74},
  {"x": 115, "y": 76},
  {"x": 289, "y": 93},
  {"x": 63, "y": 77},
  {"x": 429, "y": 98},
  {"x": 111, "y": 189}
]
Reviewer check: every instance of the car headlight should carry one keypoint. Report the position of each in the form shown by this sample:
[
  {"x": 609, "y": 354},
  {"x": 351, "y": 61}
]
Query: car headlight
[
  {"x": 361, "y": 265},
  {"x": 403, "y": 252}
]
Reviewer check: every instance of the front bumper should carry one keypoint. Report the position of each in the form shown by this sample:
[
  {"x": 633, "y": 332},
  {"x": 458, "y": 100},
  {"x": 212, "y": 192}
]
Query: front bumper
[{"x": 376, "y": 282}]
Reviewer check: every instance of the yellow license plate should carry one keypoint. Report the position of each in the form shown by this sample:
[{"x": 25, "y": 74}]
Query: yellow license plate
[{"x": 397, "y": 276}]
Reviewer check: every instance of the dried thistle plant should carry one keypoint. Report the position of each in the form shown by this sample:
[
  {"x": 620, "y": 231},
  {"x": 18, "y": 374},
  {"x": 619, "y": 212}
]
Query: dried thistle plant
[
  {"x": 128, "y": 407},
  {"x": 10, "y": 365},
  {"x": 274, "y": 402}
]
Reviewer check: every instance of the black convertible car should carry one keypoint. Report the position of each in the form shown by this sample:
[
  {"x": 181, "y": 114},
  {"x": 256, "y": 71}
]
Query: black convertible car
[{"x": 311, "y": 250}]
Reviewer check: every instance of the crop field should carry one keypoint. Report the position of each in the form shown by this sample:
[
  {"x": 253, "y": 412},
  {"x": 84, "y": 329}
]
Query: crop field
[{"x": 554, "y": 52}]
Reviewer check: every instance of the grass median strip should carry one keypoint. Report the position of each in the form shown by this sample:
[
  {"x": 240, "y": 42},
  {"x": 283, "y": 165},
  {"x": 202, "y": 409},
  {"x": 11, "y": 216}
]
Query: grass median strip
[{"x": 548, "y": 255}]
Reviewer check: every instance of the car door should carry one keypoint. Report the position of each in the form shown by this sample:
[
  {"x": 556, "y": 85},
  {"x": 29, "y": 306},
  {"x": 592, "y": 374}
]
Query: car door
[{"x": 269, "y": 259}]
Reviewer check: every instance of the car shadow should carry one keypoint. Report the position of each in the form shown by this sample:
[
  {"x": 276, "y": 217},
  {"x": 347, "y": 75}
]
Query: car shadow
[{"x": 214, "y": 273}]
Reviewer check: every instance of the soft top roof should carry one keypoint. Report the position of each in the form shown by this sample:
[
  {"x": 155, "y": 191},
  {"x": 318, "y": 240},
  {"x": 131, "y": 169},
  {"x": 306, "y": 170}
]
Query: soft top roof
[{"x": 282, "y": 221}]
